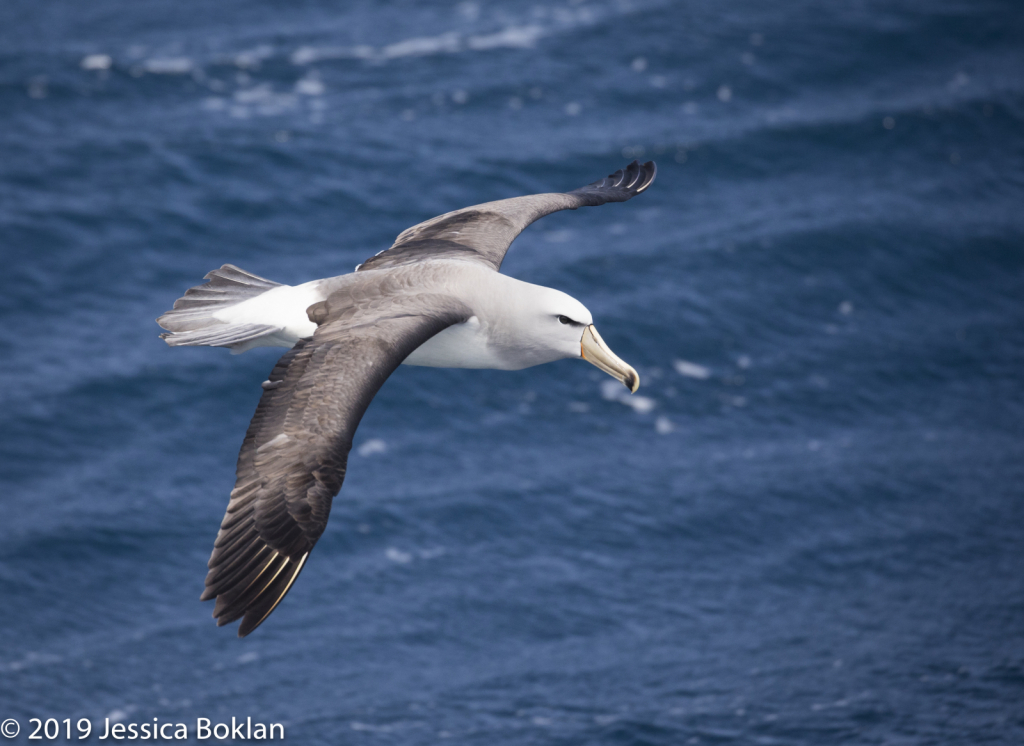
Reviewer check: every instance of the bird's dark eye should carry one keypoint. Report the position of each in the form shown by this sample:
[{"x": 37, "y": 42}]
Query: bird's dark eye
[{"x": 565, "y": 320}]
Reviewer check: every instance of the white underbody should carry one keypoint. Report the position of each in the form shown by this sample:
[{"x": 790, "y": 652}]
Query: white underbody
[
  {"x": 461, "y": 346},
  {"x": 464, "y": 345}
]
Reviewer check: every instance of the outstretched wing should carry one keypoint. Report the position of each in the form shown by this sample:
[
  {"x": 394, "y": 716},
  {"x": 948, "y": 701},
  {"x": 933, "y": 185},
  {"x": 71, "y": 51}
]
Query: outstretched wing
[
  {"x": 484, "y": 232},
  {"x": 294, "y": 455}
]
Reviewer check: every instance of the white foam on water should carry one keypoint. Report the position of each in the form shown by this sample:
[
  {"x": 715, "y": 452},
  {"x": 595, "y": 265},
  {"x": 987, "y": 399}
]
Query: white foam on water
[
  {"x": 168, "y": 65},
  {"x": 398, "y": 556},
  {"x": 641, "y": 404},
  {"x": 358, "y": 726},
  {"x": 309, "y": 85},
  {"x": 372, "y": 447},
  {"x": 469, "y": 10},
  {"x": 513, "y": 37},
  {"x": 612, "y": 390},
  {"x": 33, "y": 659},
  {"x": 96, "y": 62},
  {"x": 251, "y": 58},
  {"x": 559, "y": 236},
  {"x": 450, "y": 42},
  {"x": 306, "y": 55},
  {"x": 254, "y": 95},
  {"x": 264, "y": 99},
  {"x": 691, "y": 370},
  {"x": 120, "y": 713},
  {"x": 422, "y": 45}
]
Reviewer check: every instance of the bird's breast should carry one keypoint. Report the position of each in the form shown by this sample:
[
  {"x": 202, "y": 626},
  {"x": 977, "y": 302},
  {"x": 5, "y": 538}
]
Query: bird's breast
[{"x": 464, "y": 345}]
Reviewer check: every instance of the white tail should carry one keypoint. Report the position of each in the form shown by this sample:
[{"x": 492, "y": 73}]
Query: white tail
[{"x": 224, "y": 312}]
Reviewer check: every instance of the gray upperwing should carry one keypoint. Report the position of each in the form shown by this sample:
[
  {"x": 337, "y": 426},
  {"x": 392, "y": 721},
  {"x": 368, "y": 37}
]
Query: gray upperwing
[
  {"x": 294, "y": 456},
  {"x": 484, "y": 232}
]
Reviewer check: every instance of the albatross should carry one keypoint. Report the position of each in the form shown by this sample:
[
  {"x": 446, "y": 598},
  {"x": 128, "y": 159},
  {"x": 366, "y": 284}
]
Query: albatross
[{"x": 435, "y": 298}]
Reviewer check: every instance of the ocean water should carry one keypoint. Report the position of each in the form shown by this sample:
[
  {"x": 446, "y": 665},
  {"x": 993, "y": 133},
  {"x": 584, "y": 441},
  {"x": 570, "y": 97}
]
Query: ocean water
[{"x": 809, "y": 529}]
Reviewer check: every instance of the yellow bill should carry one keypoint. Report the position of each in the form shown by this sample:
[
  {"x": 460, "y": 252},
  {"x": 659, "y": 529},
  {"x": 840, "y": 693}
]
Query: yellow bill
[{"x": 596, "y": 352}]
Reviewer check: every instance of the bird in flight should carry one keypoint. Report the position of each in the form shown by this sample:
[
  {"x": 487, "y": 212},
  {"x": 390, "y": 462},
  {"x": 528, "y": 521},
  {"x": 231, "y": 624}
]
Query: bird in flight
[{"x": 435, "y": 298}]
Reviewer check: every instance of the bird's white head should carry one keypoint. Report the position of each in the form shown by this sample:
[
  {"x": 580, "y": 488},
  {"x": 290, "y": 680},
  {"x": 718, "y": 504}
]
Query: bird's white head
[{"x": 559, "y": 326}]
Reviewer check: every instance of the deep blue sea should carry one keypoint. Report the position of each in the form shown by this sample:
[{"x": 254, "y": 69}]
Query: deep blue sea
[{"x": 806, "y": 528}]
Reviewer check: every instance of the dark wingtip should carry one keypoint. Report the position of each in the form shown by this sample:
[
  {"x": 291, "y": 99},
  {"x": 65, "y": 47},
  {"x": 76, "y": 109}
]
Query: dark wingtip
[
  {"x": 620, "y": 186},
  {"x": 248, "y": 625},
  {"x": 634, "y": 178},
  {"x": 651, "y": 170}
]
